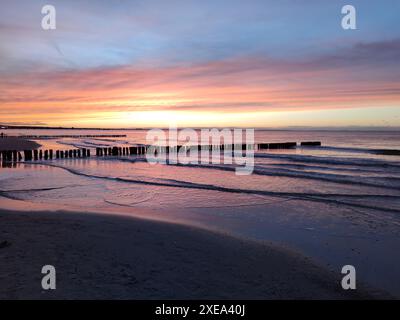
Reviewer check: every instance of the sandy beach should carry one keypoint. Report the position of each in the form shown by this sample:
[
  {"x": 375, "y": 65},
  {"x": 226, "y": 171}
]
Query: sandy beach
[
  {"x": 18, "y": 144},
  {"x": 101, "y": 256}
]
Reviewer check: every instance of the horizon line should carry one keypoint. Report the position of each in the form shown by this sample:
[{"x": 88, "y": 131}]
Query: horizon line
[{"x": 350, "y": 127}]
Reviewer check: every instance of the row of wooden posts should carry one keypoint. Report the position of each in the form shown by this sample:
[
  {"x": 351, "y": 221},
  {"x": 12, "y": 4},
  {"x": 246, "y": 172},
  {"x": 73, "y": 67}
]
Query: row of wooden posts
[
  {"x": 140, "y": 150},
  {"x": 29, "y": 155},
  {"x": 120, "y": 151},
  {"x": 287, "y": 145},
  {"x": 34, "y": 155}
]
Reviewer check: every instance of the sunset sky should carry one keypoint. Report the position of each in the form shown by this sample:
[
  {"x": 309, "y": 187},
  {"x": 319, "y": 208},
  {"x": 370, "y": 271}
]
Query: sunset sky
[{"x": 200, "y": 63}]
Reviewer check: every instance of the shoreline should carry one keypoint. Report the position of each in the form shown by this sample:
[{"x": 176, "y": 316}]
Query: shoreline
[
  {"x": 100, "y": 256},
  {"x": 17, "y": 144}
]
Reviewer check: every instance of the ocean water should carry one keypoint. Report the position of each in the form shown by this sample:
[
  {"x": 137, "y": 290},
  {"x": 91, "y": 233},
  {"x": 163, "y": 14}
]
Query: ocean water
[{"x": 338, "y": 204}]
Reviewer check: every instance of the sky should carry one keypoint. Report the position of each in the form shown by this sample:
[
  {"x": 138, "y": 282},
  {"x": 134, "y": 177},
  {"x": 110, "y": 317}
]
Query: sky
[{"x": 209, "y": 63}]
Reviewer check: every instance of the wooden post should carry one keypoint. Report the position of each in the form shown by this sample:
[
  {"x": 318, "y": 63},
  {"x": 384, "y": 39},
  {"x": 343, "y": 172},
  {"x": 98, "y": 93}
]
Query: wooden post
[
  {"x": 115, "y": 151},
  {"x": 51, "y": 154},
  {"x": 46, "y": 155}
]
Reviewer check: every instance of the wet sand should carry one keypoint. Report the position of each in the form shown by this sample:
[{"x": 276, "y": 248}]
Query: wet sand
[
  {"x": 17, "y": 144},
  {"x": 99, "y": 256}
]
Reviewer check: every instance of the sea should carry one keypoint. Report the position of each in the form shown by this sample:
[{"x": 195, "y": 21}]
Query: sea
[{"x": 338, "y": 203}]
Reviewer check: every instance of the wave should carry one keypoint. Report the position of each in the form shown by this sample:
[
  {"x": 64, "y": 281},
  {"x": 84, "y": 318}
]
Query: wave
[
  {"x": 315, "y": 197},
  {"x": 305, "y": 166},
  {"x": 77, "y": 145},
  {"x": 331, "y": 161},
  {"x": 377, "y": 182},
  {"x": 393, "y": 152},
  {"x": 12, "y": 194},
  {"x": 83, "y": 144},
  {"x": 111, "y": 140}
]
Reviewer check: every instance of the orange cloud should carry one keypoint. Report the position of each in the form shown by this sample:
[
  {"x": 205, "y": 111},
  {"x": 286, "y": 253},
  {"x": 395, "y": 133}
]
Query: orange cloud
[{"x": 239, "y": 86}]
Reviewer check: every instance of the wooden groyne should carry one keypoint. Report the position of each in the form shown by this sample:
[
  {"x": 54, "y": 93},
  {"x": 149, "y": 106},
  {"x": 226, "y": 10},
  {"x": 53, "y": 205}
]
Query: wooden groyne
[
  {"x": 387, "y": 152},
  {"x": 12, "y": 156},
  {"x": 287, "y": 145},
  {"x": 284, "y": 145},
  {"x": 311, "y": 143},
  {"x": 36, "y": 155},
  {"x": 121, "y": 151},
  {"x": 141, "y": 150}
]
